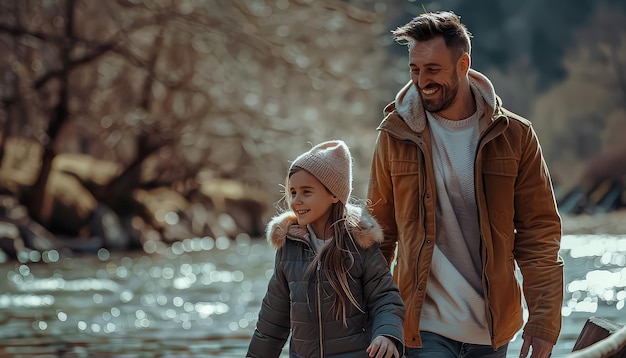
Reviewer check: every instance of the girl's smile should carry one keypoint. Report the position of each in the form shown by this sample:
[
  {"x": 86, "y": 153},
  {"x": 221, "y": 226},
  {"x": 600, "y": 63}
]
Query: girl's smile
[{"x": 310, "y": 201}]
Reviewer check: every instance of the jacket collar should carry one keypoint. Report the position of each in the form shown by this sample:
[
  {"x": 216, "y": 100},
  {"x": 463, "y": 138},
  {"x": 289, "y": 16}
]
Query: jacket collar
[
  {"x": 409, "y": 105},
  {"x": 285, "y": 226}
]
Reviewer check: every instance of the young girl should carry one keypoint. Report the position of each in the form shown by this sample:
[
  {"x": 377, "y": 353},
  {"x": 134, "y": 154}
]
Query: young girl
[{"x": 331, "y": 288}]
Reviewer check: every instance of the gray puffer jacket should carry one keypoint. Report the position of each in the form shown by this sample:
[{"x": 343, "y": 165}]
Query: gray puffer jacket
[{"x": 293, "y": 305}]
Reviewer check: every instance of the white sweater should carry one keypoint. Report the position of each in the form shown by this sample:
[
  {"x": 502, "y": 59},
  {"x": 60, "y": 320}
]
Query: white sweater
[{"x": 454, "y": 306}]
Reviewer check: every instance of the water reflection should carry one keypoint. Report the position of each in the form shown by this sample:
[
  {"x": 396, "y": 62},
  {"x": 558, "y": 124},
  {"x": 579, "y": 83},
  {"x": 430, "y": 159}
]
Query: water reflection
[
  {"x": 197, "y": 296},
  {"x": 200, "y": 297},
  {"x": 599, "y": 275}
]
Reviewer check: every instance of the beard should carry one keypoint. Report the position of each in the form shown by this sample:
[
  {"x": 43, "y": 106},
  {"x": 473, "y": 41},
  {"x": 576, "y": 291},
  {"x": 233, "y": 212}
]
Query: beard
[{"x": 445, "y": 98}]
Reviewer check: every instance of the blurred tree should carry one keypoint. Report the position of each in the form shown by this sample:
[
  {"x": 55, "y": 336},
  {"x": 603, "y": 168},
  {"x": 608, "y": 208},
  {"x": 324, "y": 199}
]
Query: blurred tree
[
  {"x": 176, "y": 93},
  {"x": 180, "y": 92},
  {"x": 584, "y": 116},
  {"x": 513, "y": 40}
]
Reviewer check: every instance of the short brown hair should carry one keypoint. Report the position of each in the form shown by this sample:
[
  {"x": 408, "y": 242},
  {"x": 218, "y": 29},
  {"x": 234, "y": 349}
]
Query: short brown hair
[{"x": 429, "y": 25}]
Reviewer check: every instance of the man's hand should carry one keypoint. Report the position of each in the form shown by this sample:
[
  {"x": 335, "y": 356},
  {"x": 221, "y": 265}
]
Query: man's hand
[
  {"x": 540, "y": 348},
  {"x": 382, "y": 347}
]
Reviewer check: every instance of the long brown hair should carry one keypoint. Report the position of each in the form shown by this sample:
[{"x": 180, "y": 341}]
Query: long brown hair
[{"x": 336, "y": 257}]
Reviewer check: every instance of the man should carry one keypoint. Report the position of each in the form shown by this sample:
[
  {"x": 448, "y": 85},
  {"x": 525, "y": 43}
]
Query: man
[{"x": 461, "y": 189}]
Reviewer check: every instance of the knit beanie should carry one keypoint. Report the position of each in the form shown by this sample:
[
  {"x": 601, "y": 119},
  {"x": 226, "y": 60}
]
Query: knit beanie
[{"x": 330, "y": 162}]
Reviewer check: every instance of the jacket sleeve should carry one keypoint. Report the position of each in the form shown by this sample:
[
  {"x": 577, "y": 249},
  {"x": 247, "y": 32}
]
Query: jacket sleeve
[
  {"x": 380, "y": 197},
  {"x": 385, "y": 306},
  {"x": 273, "y": 325},
  {"x": 537, "y": 242}
]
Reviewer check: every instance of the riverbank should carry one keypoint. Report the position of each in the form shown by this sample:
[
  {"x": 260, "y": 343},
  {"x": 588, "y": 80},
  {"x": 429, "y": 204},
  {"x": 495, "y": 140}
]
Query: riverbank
[{"x": 611, "y": 223}]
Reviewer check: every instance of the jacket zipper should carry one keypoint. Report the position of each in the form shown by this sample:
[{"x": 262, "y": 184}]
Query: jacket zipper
[
  {"x": 487, "y": 286},
  {"x": 422, "y": 211},
  {"x": 319, "y": 307}
]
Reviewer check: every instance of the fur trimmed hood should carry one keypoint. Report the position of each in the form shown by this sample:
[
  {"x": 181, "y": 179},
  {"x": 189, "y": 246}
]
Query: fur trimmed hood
[{"x": 285, "y": 225}]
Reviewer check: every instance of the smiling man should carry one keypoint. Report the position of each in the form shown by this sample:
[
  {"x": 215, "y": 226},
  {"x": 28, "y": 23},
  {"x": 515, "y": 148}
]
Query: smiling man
[{"x": 463, "y": 194}]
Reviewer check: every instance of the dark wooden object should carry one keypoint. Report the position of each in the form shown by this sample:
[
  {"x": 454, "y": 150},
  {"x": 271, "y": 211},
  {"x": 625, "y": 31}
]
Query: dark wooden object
[{"x": 595, "y": 330}]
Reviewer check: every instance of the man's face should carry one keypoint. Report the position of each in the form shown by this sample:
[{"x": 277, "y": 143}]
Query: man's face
[{"x": 434, "y": 73}]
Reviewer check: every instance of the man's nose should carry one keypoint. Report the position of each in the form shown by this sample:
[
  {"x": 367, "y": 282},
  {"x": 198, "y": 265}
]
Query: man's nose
[{"x": 423, "y": 80}]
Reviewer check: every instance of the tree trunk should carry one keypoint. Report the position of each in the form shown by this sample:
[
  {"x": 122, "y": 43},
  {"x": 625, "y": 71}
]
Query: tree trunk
[{"x": 58, "y": 118}]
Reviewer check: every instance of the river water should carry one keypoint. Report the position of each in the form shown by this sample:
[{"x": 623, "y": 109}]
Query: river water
[{"x": 200, "y": 298}]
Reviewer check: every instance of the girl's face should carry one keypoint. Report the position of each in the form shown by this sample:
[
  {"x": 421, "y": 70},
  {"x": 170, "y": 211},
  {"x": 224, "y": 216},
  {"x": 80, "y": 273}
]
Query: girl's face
[{"x": 310, "y": 201}]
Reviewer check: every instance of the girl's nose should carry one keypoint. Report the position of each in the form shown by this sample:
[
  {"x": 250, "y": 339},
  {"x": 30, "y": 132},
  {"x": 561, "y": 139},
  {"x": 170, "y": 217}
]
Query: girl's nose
[{"x": 296, "y": 199}]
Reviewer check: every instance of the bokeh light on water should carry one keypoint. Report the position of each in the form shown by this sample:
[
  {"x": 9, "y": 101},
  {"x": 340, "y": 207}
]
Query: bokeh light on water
[
  {"x": 200, "y": 297},
  {"x": 600, "y": 261}
]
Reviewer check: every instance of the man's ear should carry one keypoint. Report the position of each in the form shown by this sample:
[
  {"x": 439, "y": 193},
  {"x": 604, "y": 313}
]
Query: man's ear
[{"x": 463, "y": 64}]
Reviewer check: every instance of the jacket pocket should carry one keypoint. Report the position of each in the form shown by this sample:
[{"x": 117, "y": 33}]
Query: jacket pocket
[
  {"x": 499, "y": 178},
  {"x": 407, "y": 188}
]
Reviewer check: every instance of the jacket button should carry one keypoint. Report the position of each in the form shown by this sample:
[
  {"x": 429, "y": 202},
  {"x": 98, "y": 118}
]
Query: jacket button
[
  {"x": 428, "y": 241},
  {"x": 419, "y": 288}
]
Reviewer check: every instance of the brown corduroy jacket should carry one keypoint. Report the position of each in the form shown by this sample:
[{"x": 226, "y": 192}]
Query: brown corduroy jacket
[{"x": 519, "y": 222}]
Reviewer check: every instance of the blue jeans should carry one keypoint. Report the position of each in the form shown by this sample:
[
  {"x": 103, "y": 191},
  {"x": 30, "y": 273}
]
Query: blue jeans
[{"x": 436, "y": 346}]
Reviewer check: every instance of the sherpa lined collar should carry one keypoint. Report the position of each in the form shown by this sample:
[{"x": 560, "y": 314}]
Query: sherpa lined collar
[{"x": 410, "y": 108}]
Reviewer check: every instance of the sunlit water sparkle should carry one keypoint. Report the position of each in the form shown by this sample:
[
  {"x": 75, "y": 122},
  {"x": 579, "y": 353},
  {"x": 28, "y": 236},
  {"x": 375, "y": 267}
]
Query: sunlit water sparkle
[{"x": 200, "y": 297}]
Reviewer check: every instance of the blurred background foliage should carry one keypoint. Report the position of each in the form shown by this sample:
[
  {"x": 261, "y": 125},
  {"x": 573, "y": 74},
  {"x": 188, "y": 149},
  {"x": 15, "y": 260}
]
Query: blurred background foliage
[{"x": 113, "y": 99}]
